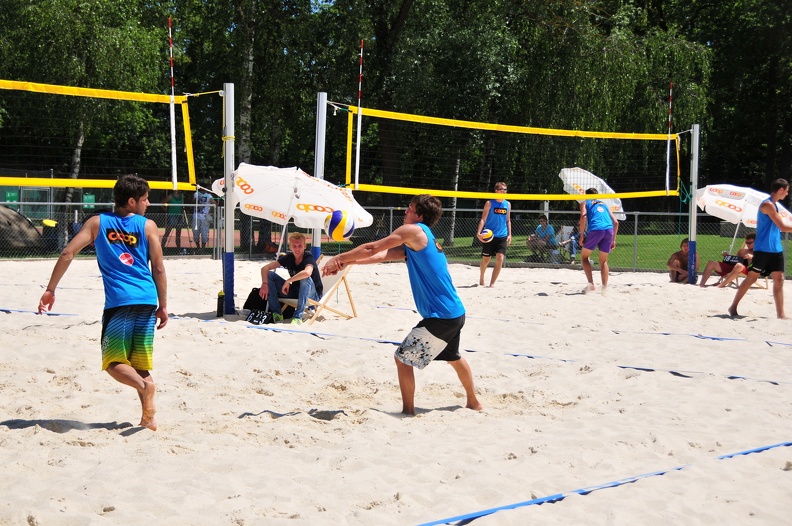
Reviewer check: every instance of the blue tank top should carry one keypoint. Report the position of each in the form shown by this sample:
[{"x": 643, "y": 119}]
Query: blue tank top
[
  {"x": 433, "y": 291},
  {"x": 768, "y": 235},
  {"x": 597, "y": 216},
  {"x": 122, "y": 253},
  {"x": 496, "y": 218}
]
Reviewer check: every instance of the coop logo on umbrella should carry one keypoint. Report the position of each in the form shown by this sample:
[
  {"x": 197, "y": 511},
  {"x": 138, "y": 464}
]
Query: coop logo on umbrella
[
  {"x": 307, "y": 207},
  {"x": 243, "y": 185},
  {"x": 255, "y": 208},
  {"x": 730, "y": 206}
]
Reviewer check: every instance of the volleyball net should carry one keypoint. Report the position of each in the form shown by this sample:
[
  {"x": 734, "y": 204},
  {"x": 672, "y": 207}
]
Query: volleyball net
[
  {"x": 87, "y": 137},
  {"x": 410, "y": 154}
]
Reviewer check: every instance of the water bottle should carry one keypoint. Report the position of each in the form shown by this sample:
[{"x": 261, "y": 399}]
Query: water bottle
[{"x": 220, "y": 303}]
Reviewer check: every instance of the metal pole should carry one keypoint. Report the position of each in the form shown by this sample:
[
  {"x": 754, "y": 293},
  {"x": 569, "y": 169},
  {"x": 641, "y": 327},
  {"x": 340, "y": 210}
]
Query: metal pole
[
  {"x": 319, "y": 161},
  {"x": 635, "y": 243},
  {"x": 694, "y": 162},
  {"x": 228, "y": 172}
]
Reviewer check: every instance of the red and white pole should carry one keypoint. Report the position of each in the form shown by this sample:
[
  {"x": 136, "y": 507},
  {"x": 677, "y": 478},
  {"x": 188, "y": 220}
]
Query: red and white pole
[
  {"x": 360, "y": 116},
  {"x": 668, "y": 144},
  {"x": 172, "y": 106}
]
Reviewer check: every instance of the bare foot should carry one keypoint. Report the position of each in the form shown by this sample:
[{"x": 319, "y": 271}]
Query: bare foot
[
  {"x": 732, "y": 311},
  {"x": 474, "y": 405},
  {"x": 408, "y": 411},
  {"x": 589, "y": 288},
  {"x": 148, "y": 407}
]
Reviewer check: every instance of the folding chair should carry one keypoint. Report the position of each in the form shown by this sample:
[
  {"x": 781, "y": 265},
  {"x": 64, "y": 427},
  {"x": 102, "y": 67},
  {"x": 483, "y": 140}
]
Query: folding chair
[
  {"x": 757, "y": 284},
  {"x": 330, "y": 285},
  {"x": 565, "y": 244}
]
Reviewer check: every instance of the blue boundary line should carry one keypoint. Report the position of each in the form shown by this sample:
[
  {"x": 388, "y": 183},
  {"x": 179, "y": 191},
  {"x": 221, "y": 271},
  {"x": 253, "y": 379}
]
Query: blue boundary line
[
  {"x": 469, "y": 517},
  {"x": 778, "y": 343},
  {"x": 9, "y": 311},
  {"x": 681, "y": 374},
  {"x": 467, "y": 316},
  {"x": 699, "y": 336}
]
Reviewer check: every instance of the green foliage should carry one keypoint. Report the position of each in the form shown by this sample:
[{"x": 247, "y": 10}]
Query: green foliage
[{"x": 594, "y": 65}]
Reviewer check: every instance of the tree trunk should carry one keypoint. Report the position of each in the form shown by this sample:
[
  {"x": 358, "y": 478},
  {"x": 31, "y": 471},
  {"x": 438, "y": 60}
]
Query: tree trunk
[
  {"x": 247, "y": 12},
  {"x": 246, "y": 95},
  {"x": 76, "y": 161},
  {"x": 449, "y": 240},
  {"x": 772, "y": 121}
]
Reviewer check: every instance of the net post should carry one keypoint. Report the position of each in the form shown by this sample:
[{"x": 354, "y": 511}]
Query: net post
[
  {"x": 319, "y": 161},
  {"x": 694, "y": 162},
  {"x": 228, "y": 172}
]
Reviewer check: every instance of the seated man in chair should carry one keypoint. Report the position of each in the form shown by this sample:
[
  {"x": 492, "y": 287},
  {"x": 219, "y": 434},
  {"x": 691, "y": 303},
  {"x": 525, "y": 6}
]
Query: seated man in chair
[
  {"x": 732, "y": 265},
  {"x": 543, "y": 240},
  {"x": 304, "y": 281},
  {"x": 570, "y": 242}
]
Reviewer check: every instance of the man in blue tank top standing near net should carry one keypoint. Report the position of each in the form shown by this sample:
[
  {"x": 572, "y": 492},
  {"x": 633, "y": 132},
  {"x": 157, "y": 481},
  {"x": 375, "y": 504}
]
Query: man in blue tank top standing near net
[
  {"x": 598, "y": 229},
  {"x": 135, "y": 295},
  {"x": 496, "y": 217},
  {"x": 768, "y": 258},
  {"x": 436, "y": 337}
]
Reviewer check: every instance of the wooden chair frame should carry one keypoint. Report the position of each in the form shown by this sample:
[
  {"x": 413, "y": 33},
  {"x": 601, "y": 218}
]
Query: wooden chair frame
[{"x": 330, "y": 285}]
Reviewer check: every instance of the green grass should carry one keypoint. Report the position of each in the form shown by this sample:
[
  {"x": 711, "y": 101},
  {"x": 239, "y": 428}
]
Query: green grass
[{"x": 644, "y": 252}]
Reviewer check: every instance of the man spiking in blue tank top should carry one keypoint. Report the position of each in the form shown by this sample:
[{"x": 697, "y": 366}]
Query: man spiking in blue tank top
[{"x": 436, "y": 337}]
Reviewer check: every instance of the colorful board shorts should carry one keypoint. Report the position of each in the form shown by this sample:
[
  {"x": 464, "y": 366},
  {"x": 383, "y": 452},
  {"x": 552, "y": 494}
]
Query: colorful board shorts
[
  {"x": 431, "y": 339},
  {"x": 128, "y": 336}
]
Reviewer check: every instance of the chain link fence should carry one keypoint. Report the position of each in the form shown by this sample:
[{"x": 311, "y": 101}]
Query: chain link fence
[{"x": 645, "y": 240}]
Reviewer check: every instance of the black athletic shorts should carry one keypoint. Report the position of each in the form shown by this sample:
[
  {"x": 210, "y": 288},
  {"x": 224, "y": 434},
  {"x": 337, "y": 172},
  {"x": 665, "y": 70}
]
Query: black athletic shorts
[
  {"x": 497, "y": 245},
  {"x": 765, "y": 263}
]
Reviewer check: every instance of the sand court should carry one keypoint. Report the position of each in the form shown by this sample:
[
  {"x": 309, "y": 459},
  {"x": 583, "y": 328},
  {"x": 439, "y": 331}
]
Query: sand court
[{"x": 301, "y": 425}]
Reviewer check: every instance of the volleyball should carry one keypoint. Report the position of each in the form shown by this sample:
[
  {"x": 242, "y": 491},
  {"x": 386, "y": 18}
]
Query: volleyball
[
  {"x": 486, "y": 234},
  {"x": 339, "y": 225}
]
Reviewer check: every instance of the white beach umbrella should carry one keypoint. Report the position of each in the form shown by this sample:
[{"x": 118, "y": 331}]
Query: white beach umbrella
[
  {"x": 281, "y": 195},
  {"x": 735, "y": 204},
  {"x": 577, "y": 181}
]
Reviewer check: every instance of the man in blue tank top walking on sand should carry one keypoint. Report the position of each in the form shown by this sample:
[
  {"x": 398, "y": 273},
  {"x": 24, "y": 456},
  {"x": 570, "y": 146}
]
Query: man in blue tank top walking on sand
[
  {"x": 436, "y": 337},
  {"x": 135, "y": 295},
  {"x": 768, "y": 258}
]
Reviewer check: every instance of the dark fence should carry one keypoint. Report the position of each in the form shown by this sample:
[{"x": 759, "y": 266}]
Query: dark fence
[{"x": 644, "y": 242}]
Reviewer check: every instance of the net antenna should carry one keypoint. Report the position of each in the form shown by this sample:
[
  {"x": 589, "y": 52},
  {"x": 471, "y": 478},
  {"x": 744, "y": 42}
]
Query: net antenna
[
  {"x": 172, "y": 107},
  {"x": 668, "y": 144},
  {"x": 360, "y": 116}
]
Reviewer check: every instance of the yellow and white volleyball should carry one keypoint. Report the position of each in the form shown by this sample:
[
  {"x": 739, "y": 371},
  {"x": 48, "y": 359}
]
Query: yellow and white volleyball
[
  {"x": 339, "y": 225},
  {"x": 486, "y": 234}
]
